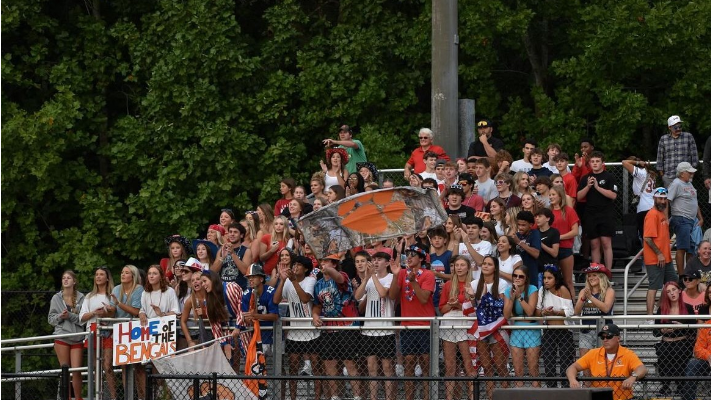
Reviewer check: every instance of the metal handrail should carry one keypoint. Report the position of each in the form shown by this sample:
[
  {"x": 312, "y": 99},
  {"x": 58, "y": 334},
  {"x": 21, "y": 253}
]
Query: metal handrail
[{"x": 626, "y": 278}]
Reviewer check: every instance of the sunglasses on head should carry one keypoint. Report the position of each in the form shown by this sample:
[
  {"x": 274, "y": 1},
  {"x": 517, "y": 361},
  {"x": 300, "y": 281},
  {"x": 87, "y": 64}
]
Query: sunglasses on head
[
  {"x": 606, "y": 336},
  {"x": 103, "y": 268}
]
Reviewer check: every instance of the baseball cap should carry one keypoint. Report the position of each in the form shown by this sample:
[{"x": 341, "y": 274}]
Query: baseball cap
[
  {"x": 673, "y": 120},
  {"x": 684, "y": 167},
  {"x": 484, "y": 123},
  {"x": 692, "y": 273},
  {"x": 610, "y": 329}
]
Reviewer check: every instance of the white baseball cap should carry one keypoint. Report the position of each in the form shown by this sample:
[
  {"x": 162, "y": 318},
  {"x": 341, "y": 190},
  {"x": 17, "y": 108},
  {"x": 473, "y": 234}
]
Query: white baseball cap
[
  {"x": 673, "y": 120},
  {"x": 685, "y": 167}
]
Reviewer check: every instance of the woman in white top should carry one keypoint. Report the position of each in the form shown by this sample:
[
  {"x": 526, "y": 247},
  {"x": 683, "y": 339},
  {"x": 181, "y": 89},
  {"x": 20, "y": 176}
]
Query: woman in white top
[
  {"x": 334, "y": 169},
  {"x": 454, "y": 333},
  {"x": 158, "y": 299},
  {"x": 508, "y": 260},
  {"x": 97, "y": 304},
  {"x": 555, "y": 300}
]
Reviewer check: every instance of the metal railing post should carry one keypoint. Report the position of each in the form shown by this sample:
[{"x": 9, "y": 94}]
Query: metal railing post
[
  {"x": 149, "y": 382},
  {"x": 90, "y": 368},
  {"x": 18, "y": 369},
  {"x": 434, "y": 358},
  {"x": 277, "y": 353},
  {"x": 64, "y": 385},
  {"x": 130, "y": 382}
]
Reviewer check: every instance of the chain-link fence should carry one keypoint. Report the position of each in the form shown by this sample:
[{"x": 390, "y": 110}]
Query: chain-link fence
[{"x": 439, "y": 360}]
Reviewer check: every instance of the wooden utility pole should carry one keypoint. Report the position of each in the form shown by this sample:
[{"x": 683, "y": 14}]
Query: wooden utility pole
[{"x": 445, "y": 62}]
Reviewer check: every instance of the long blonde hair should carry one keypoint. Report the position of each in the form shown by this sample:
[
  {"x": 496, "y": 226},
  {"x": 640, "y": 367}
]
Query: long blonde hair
[
  {"x": 454, "y": 289},
  {"x": 74, "y": 288},
  {"x": 285, "y": 236},
  {"x": 604, "y": 284},
  {"x": 563, "y": 200},
  {"x": 136, "y": 279}
]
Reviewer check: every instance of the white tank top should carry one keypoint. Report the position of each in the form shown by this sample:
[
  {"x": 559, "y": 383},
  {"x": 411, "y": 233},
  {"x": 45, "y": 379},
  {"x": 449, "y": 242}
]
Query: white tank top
[{"x": 330, "y": 180}]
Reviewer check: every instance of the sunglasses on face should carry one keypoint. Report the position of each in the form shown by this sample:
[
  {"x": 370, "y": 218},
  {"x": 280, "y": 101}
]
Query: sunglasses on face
[
  {"x": 676, "y": 127},
  {"x": 517, "y": 276},
  {"x": 423, "y": 137},
  {"x": 687, "y": 279},
  {"x": 606, "y": 336},
  {"x": 500, "y": 182},
  {"x": 463, "y": 184}
]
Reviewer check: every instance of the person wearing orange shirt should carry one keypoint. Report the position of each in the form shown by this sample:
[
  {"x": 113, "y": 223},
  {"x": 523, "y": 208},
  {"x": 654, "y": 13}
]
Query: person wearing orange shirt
[
  {"x": 700, "y": 365},
  {"x": 657, "y": 253},
  {"x": 610, "y": 360}
]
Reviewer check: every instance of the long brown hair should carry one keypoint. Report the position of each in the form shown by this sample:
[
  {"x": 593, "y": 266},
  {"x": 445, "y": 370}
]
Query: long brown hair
[
  {"x": 494, "y": 287},
  {"x": 216, "y": 309},
  {"x": 162, "y": 281}
]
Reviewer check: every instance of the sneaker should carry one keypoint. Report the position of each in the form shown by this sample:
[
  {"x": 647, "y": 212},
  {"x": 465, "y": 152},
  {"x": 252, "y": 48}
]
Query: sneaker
[
  {"x": 481, "y": 371},
  {"x": 418, "y": 370},
  {"x": 345, "y": 371},
  {"x": 306, "y": 369},
  {"x": 649, "y": 322},
  {"x": 399, "y": 370},
  {"x": 510, "y": 368}
]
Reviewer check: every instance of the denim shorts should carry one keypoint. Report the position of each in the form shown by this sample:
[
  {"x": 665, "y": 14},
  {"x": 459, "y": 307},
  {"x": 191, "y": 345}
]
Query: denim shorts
[{"x": 682, "y": 227}]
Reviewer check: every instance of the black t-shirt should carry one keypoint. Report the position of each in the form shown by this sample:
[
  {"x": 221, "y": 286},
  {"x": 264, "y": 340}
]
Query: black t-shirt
[
  {"x": 596, "y": 202},
  {"x": 696, "y": 265},
  {"x": 549, "y": 238},
  {"x": 477, "y": 149},
  {"x": 538, "y": 172},
  {"x": 463, "y": 212}
]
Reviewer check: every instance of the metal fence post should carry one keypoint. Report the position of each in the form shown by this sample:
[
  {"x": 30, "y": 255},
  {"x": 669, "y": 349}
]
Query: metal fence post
[
  {"x": 130, "y": 382},
  {"x": 18, "y": 369},
  {"x": 277, "y": 352},
  {"x": 434, "y": 358},
  {"x": 64, "y": 386},
  {"x": 149, "y": 381},
  {"x": 90, "y": 368},
  {"x": 625, "y": 191}
]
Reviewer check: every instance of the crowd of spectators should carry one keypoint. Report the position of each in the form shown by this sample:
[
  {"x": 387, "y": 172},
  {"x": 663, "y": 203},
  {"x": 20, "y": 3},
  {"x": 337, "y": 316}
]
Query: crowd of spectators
[{"x": 506, "y": 250}]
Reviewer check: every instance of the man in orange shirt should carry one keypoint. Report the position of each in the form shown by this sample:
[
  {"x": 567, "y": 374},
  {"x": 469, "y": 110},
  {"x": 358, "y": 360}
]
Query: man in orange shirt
[
  {"x": 610, "y": 360},
  {"x": 700, "y": 365},
  {"x": 657, "y": 253}
]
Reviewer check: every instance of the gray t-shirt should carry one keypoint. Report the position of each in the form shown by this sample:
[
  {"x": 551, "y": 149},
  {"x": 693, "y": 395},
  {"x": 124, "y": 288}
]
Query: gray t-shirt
[
  {"x": 487, "y": 190},
  {"x": 682, "y": 196}
]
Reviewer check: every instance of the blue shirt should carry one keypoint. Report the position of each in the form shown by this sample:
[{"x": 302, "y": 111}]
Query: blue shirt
[
  {"x": 445, "y": 259},
  {"x": 265, "y": 305}
]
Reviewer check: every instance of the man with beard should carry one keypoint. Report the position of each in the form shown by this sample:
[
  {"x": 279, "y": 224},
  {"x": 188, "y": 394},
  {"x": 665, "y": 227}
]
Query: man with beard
[{"x": 657, "y": 253}]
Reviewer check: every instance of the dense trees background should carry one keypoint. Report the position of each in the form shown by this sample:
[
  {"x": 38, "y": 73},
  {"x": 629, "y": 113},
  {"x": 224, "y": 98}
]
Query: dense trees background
[{"x": 125, "y": 121}]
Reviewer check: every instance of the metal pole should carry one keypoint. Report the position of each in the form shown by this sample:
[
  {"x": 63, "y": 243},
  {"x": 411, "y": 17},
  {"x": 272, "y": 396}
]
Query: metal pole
[
  {"x": 90, "y": 368},
  {"x": 467, "y": 126},
  {"x": 434, "y": 358},
  {"x": 445, "y": 61},
  {"x": 130, "y": 381},
  {"x": 18, "y": 369},
  {"x": 277, "y": 353},
  {"x": 149, "y": 382},
  {"x": 64, "y": 386}
]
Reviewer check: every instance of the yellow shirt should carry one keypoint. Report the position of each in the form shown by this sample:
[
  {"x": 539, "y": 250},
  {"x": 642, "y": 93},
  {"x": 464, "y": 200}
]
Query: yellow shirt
[{"x": 622, "y": 366}]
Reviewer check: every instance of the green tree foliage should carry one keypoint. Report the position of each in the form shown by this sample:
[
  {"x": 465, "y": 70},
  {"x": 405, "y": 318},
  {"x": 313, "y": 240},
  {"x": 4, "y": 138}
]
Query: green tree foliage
[{"x": 126, "y": 121}]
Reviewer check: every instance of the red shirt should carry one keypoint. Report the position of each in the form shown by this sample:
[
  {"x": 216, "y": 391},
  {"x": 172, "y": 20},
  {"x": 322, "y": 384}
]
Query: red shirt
[
  {"x": 280, "y": 205},
  {"x": 274, "y": 259},
  {"x": 571, "y": 185},
  {"x": 417, "y": 161},
  {"x": 412, "y": 307},
  {"x": 564, "y": 225},
  {"x": 474, "y": 201}
]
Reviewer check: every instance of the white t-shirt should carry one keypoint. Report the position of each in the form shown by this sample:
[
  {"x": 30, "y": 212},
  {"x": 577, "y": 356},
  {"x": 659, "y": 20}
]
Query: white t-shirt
[
  {"x": 426, "y": 175},
  {"x": 378, "y": 307},
  {"x": 484, "y": 248},
  {"x": 644, "y": 188},
  {"x": 487, "y": 189},
  {"x": 507, "y": 265},
  {"x": 91, "y": 303},
  {"x": 297, "y": 309},
  {"x": 167, "y": 302},
  {"x": 521, "y": 166},
  {"x": 502, "y": 286}
]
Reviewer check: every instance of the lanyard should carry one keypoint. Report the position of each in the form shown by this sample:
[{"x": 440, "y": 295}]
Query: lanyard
[{"x": 608, "y": 371}]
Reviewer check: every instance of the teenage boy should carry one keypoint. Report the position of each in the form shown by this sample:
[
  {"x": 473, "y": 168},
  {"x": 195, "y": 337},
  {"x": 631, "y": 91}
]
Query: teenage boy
[
  {"x": 450, "y": 174},
  {"x": 537, "y": 168},
  {"x": 378, "y": 346},
  {"x": 471, "y": 199},
  {"x": 599, "y": 190},
  {"x": 414, "y": 287},
  {"x": 569, "y": 182},
  {"x": 528, "y": 244},
  {"x": 296, "y": 286},
  {"x": 333, "y": 298},
  {"x": 430, "y": 159},
  {"x": 524, "y": 164},
  {"x": 484, "y": 185},
  {"x": 439, "y": 259},
  {"x": 552, "y": 151},
  {"x": 550, "y": 238},
  {"x": 262, "y": 308},
  {"x": 234, "y": 258},
  {"x": 471, "y": 245},
  {"x": 455, "y": 196}
]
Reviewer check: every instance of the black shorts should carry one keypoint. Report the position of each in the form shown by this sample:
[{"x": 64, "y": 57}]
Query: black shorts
[
  {"x": 599, "y": 224},
  {"x": 342, "y": 345},
  {"x": 414, "y": 342},
  {"x": 381, "y": 346},
  {"x": 300, "y": 346}
]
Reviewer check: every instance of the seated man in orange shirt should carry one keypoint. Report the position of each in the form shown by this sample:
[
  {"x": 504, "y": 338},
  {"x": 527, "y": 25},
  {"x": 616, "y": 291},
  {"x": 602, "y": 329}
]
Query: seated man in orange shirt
[
  {"x": 700, "y": 365},
  {"x": 610, "y": 360}
]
